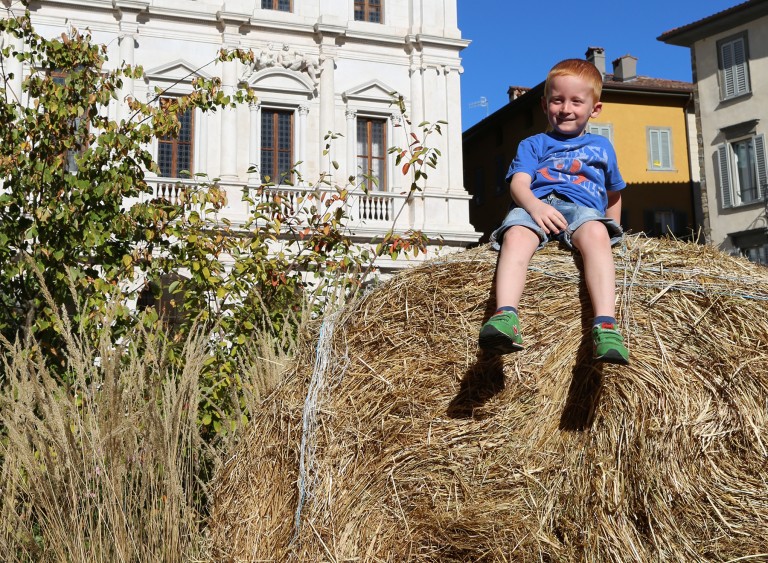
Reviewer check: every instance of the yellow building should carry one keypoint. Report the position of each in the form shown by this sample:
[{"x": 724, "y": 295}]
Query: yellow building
[{"x": 651, "y": 124}]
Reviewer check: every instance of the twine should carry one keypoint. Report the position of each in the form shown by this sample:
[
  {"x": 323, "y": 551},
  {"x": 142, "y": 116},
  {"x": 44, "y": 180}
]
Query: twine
[{"x": 309, "y": 422}]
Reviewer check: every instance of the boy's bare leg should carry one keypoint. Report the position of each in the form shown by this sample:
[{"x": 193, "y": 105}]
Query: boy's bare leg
[
  {"x": 593, "y": 242},
  {"x": 501, "y": 333},
  {"x": 516, "y": 251}
]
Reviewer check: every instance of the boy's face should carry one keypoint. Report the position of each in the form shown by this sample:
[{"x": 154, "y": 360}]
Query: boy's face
[{"x": 570, "y": 105}]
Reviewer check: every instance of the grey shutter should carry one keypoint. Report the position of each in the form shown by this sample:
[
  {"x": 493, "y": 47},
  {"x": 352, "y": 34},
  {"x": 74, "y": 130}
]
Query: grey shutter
[
  {"x": 665, "y": 149},
  {"x": 725, "y": 175},
  {"x": 653, "y": 141},
  {"x": 729, "y": 86},
  {"x": 740, "y": 67},
  {"x": 735, "y": 70},
  {"x": 762, "y": 173}
]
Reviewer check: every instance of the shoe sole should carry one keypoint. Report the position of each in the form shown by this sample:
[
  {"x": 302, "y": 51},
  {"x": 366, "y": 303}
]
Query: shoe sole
[
  {"x": 612, "y": 357},
  {"x": 498, "y": 342}
]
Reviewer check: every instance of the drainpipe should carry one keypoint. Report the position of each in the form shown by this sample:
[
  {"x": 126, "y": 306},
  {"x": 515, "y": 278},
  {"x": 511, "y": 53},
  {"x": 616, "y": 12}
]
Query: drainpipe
[{"x": 688, "y": 104}]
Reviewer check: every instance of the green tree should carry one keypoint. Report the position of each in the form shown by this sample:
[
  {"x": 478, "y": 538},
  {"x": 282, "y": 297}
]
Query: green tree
[
  {"x": 69, "y": 238},
  {"x": 67, "y": 171}
]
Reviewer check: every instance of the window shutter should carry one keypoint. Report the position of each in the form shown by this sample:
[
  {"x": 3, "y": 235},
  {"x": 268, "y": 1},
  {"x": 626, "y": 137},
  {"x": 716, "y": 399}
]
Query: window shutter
[
  {"x": 762, "y": 172},
  {"x": 602, "y": 130},
  {"x": 653, "y": 141},
  {"x": 664, "y": 149},
  {"x": 735, "y": 69},
  {"x": 729, "y": 87},
  {"x": 740, "y": 67},
  {"x": 725, "y": 175}
]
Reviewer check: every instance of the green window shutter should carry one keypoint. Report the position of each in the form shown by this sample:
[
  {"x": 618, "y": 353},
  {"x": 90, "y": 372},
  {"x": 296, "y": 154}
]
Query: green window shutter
[{"x": 725, "y": 175}]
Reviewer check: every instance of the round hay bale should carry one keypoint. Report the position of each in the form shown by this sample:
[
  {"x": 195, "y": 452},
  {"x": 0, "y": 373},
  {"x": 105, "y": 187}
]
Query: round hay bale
[{"x": 395, "y": 439}]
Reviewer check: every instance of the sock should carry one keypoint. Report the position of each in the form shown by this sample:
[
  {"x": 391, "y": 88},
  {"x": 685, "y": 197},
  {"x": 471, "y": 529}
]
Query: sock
[
  {"x": 506, "y": 308},
  {"x": 599, "y": 321}
]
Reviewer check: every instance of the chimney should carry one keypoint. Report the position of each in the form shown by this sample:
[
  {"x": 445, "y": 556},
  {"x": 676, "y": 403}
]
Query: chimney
[
  {"x": 514, "y": 92},
  {"x": 596, "y": 55},
  {"x": 625, "y": 68}
]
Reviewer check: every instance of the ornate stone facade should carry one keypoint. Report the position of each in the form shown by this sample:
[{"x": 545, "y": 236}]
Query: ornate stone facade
[{"x": 316, "y": 70}]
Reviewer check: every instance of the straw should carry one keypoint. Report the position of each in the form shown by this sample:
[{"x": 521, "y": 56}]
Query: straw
[{"x": 428, "y": 450}]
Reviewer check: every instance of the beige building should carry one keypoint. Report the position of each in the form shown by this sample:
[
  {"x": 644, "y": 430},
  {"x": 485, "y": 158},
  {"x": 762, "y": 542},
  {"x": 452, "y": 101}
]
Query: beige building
[
  {"x": 729, "y": 54},
  {"x": 320, "y": 66}
]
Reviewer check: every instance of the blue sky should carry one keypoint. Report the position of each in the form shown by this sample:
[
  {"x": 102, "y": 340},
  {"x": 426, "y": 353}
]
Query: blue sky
[{"x": 515, "y": 42}]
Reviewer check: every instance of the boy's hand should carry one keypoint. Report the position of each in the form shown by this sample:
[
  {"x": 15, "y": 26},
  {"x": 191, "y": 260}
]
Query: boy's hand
[{"x": 547, "y": 217}]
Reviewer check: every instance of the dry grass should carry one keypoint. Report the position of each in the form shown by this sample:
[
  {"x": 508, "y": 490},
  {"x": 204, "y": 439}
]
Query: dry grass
[
  {"x": 393, "y": 439},
  {"x": 111, "y": 467}
]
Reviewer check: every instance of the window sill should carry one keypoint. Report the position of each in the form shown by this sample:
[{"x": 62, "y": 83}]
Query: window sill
[
  {"x": 734, "y": 99},
  {"x": 745, "y": 206}
]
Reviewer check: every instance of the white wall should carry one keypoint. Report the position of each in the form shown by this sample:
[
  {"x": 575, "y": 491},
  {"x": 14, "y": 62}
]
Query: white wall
[{"x": 415, "y": 51}]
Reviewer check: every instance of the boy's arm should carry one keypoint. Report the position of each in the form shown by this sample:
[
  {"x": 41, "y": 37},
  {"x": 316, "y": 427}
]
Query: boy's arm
[
  {"x": 614, "y": 207},
  {"x": 546, "y": 216}
]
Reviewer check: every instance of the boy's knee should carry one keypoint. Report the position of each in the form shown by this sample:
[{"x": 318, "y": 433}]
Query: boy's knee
[
  {"x": 517, "y": 233},
  {"x": 591, "y": 232}
]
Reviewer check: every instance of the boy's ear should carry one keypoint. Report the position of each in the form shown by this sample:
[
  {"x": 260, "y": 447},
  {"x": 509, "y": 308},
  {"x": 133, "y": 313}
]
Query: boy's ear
[{"x": 598, "y": 107}]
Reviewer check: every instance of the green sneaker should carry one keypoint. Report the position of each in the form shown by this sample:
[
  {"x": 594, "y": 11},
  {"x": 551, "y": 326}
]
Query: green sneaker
[
  {"x": 609, "y": 345},
  {"x": 501, "y": 334}
]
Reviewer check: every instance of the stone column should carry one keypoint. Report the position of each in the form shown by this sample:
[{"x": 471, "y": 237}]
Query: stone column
[
  {"x": 128, "y": 29},
  {"x": 229, "y": 124},
  {"x": 301, "y": 144},
  {"x": 127, "y": 42},
  {"x": 327, "y": 93},
  {"x": 351, "y": 168},
  {"x": 254, "y": 145},
  {"x": 417, "y": 93},
  {"x": 230, "y": 39},
  {"x": 453, "y": 131},
  {"x": 14, "y": 67}
]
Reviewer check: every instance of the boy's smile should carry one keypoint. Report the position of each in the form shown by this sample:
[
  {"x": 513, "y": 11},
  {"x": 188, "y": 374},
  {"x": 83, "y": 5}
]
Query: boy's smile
[{"x": 570, "y": 105}]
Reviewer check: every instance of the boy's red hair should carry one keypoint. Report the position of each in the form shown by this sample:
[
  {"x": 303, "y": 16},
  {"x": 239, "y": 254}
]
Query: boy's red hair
[{"x": 579, "y": 68}]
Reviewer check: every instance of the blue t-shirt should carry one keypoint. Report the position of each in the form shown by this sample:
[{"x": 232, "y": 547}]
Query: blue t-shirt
[{"x": 583, "y": 169}]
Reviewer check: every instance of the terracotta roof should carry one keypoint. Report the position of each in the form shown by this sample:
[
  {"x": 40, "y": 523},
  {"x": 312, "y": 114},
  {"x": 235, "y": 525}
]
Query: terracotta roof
[{"x": 647, "y": 83}]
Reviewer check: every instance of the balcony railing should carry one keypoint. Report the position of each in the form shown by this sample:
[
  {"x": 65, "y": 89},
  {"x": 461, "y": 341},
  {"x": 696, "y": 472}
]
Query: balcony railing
[{"x": 376, "y": 211}]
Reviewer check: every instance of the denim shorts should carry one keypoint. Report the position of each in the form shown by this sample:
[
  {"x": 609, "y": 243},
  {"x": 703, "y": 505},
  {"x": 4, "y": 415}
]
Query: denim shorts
[{"x": 575, "y": 215}]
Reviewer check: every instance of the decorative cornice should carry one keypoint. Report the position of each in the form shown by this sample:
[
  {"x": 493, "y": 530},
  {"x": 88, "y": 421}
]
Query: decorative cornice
[
  {"x": 374, "y": 37},
  {"x": 179, "y": 13},
  {"x": 236, "y": 18},
  {"x": 133, "y": 5},
  {"x": 421, "y": 40}
]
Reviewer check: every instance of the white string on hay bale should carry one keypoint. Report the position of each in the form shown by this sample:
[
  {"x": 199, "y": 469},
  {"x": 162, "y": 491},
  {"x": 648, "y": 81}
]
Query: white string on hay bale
[
  {"x": 317, "y": 383},
  {"x": 428, "y": 450}
]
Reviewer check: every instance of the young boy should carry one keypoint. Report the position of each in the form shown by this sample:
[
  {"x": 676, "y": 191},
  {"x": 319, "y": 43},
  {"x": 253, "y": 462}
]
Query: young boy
[{"x": 566, "y": 186}]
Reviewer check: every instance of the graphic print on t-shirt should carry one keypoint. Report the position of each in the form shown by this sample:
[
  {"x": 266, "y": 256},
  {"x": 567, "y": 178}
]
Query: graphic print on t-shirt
[{"x": 581, "y": 167}]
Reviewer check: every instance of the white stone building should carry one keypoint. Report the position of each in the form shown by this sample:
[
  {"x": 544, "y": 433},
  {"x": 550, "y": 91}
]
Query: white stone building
[
  {"x": 321, "y": 66},
  {"x": 729, "y": 54}
]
